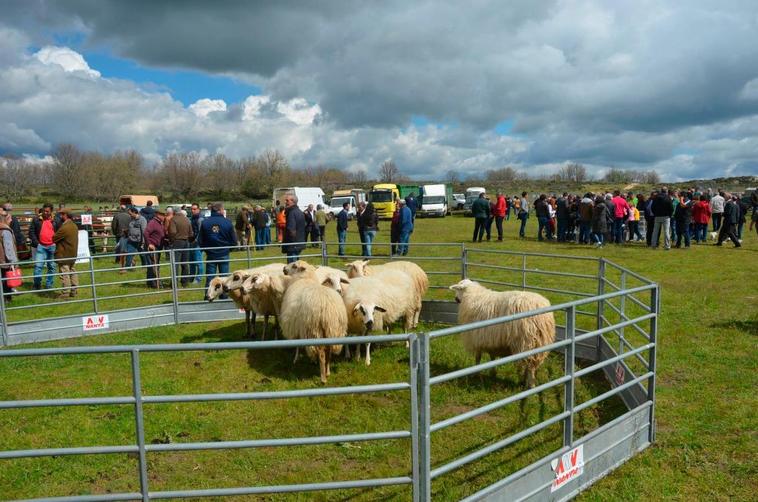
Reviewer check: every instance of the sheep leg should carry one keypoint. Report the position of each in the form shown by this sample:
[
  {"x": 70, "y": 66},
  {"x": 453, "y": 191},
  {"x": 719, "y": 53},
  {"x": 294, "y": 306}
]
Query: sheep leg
[
  {"x": 247, "y": 323},
  {"x": 322, "y": 363},
  {"x": 265, "y": 327},
  {"x": 328, "y": 351},
  {"x": 297, "y": 355},
  {"x": 368, "y": 354},
  {"x": 252, "y": 323}
]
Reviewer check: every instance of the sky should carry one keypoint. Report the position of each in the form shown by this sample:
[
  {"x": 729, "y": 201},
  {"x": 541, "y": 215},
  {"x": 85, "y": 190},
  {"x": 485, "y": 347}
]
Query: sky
[{"x": 435, "y": 86}]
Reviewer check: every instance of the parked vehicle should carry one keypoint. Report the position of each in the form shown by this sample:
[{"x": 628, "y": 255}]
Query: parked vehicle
[
  {"x": 358, "y": 194},
  {"x": 138, "y": 201},
  {"x": 335, "y": 205},
  {"x": 434, "y": 200},
  {"x": 406, "y": 190},
  {"x": 472, "y": 193},
  {"x": 384, "y": 197},
  {"x": 305, "y": 196},
  {"x": 460, "y": 200}
]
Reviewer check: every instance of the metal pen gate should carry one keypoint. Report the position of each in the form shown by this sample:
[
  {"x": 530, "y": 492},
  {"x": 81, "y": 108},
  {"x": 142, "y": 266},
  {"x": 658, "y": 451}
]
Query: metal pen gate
[{"x": 612, "y": 304}]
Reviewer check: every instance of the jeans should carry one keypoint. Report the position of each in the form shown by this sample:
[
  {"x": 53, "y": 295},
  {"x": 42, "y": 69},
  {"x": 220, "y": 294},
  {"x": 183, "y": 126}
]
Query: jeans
[
  {"x": 341, "y": 238},
  {"x": 634, "y": 230},
  {"x": 523, "y": 217},
  {"x": 488, "y": 228},
  {"x": 131, "y": 248},
  {"x": 181, "y": 259},
  {"x": 740, "y": 226},
  {"x": 362, "y": 236},
  {"x": 701, "y": 230},
  {"x": 45, "y": 256},
  {"x": 584, "y": 232},
  {"x": 217, "y": 264},
  {"x": 649, "y": 227},
  {"x": 543, "y": 225},
  {"x": 267, "y": 235},
  {"x": 684, "y": 231},
  {"x": 618, "y": 230},
  {"x": 499, "y": 225},
  {"x": 197, "y": 269},
  {"x": 716, "y": 221},
  {"x": 293, "y": 255},
  {"x": 370, "y": 235},
  {"x": 479, "y": 225},
  {"x": 259, "y": 238},
  {"x": 662, "y": 226},
  {"x": 562, "y": 224},
  {"x": 598, "y": 237},
  {"x": 405, "y": 237}
]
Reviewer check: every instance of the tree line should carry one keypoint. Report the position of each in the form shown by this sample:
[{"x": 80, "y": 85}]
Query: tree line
[{"x": 75, "y": 175}]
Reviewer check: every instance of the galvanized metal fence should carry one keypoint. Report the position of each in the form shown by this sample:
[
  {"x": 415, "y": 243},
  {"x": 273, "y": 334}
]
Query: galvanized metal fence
[{"x": 612, "y": 305}]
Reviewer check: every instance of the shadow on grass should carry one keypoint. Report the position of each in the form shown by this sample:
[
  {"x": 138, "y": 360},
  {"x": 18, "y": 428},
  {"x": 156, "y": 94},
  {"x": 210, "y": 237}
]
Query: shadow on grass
[{"x": 749, "y": 326}]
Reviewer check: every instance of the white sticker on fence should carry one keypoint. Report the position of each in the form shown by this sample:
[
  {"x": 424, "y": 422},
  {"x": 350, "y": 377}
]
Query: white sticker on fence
[
  {"x": 569, "y": 466},
  {"x": 82, "y": 251},
  {"x": 86, "y": 219},
  {"x": 93, "y": 322}
]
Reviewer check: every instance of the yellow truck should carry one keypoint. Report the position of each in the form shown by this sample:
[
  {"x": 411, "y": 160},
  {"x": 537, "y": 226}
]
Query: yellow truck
[{"x": 384, "y": 197}]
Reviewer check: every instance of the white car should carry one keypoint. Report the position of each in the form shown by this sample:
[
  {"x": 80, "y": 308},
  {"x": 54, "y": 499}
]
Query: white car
[{"x": 460, "y": 200}]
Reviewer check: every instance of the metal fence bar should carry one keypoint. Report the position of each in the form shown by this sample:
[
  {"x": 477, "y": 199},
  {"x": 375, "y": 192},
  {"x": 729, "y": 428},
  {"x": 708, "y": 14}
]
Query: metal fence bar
[
  {"x": 464, "y": 261},
  {"x": 543, "y": 255},
  {"x": 625, "y": 318},
  {"x": 413, "y": 370},
  {"x": 174, "y": 286},
  {"x": 3, "y": 310},
  {"x": 105, "y": 497},
  {"x": 77, "y": 401},
  {"x": 613, "y": 327},
  {"x": 607, "y": 362},
  {"x": 94, "y": 286},
  {"x": 533, "y": 271},
  {"x": 425, "y": 439},
  {"x": 569, "y": 363},
  {"x": 523, "y": 272},
  {"x": 612, "y": 392},
  {"x": 139, "y": 425},
  {"x": 655, "y": 303},
  {"x": 59, "y": 452}
]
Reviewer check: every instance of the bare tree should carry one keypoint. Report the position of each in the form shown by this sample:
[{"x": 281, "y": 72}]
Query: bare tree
[
  {"x": 359, "y": 177},
  {"x": 182, "y": 173},
  {"x": 504, "y": 175},
  {"x": 388, "y": 171},
  {"x": 67, "y": 170},
  {"x": 16, "y": 177},
  {"x": 452, "y": 176},
  {"x": 573, "y": 173}
]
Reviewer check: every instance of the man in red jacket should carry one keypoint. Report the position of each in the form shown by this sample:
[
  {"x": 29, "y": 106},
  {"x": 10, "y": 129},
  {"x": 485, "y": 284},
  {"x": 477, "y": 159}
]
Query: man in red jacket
[
  {"x": 501, "y": 206},
  {"x": 701, "y": 213},
  {"x": 155, "y": 234}
]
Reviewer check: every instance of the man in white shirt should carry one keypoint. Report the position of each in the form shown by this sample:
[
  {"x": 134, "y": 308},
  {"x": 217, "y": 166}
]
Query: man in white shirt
[{"x": 717, "y": 209}]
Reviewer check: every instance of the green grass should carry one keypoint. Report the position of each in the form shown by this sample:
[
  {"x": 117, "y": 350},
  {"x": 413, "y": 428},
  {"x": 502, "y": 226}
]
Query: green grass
[{"x": 705, "y": 394}]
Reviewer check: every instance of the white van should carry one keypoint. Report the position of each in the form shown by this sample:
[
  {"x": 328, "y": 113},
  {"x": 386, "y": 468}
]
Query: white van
[
  {"x": 335, "y": 205},
  {"x": 305, "y": 196},
  {"x": 434, "y": 201}
]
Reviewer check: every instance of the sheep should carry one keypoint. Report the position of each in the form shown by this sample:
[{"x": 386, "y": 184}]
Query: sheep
[
  {"x": 257, "y": 303},
  {"x": 217, "y": 287},
  {"x": 310, "y": 310},
  {"x": 332, "y": 278},
  {"x": 416, "y": 274},
  {"x": 376, "y": 303},
  {"x": 478, "y": 303}
]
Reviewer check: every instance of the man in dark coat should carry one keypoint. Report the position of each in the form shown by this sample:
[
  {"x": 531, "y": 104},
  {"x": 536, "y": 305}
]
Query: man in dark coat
[
  {"x": 294, "y": 231},
  {"x": 662, "y": 208},
  {"x": 480, "y": 209},
  {"x": 15, "y": 226},
  {"x": 342, "y": 219},
  {"x": 216, "y": 237},
  {"x": 729, "y": 222},
  {"x": 411, "y": 204}
]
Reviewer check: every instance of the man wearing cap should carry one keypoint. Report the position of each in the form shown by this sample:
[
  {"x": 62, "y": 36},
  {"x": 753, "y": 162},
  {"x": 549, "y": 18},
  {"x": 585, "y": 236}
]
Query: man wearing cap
[
  {"x": 405, "y": 224},
  {"x": 216, "y": 237},
  {"x": 66, "y": 241},
  {"x": 155, "y": 233},
  {"x": 179, "y": 236},
  {"x": 15, "y": 225}
]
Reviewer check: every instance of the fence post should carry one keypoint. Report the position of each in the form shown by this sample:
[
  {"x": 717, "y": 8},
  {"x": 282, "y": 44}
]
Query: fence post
[
  {"x": 174, "y": 285},
  {"x": 3, "y": 313},
  {"x": 569, "y": 358},
  {"x": 324, "y": 255},
  {"x": 464, "y": 261},
  {"x": 600, "y": 304},
  {"x": 92, "y": 279},
  {"x": 139, "y": 424},
  {"x": 523, "y": 272},
  {"x": 655, "y": 305},
  {"x": 424, "y": 434},
  {"x": 413, "y": 381}
]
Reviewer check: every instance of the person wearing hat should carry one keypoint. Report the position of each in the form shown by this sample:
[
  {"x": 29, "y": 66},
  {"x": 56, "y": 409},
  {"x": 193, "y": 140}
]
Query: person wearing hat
[
  {"x": 66, "y": 240},
  {"x": 155, "y": 234},
  {"x": 242, "y": 226},
  {"x": 405, "y": 225}
]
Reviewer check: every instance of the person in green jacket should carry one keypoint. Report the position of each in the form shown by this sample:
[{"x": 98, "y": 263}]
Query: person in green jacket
[
  {"x": 321, "y": 220},
  {"x": 481, "y": 211}
]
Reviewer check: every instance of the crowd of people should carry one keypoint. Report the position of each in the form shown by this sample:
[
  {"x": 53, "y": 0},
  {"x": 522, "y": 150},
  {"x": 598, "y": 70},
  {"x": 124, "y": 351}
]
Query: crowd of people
[{"x": 664, "y": 216}]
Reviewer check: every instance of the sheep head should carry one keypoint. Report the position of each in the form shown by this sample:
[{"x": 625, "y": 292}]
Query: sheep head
[
  {"x": 357, "y": 268},
  {"x": 365, "y": 312},
  {"x": 460, "y": 288},
  {"x": 215, "y": 288},
  {"x": 335, "y": 282},
  {"x": 255, "y": 281},
  {"x": 235, "y": 281},
  {"x": 299, "y": 269}
]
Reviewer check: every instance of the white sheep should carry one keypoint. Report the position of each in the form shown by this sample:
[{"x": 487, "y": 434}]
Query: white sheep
[
  {"x": 332, "y": 278},
  {"x": 217, "y": 287},
  {"x": 418, "y": 279},
  {"x": 312, "y": 311},
  {"x": 478, "y": 303},
  {"x": 255, "y": 303},
  {"x": 376, "y": 303}
]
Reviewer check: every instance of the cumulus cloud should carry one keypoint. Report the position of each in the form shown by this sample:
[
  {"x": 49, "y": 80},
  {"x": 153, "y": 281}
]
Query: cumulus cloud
[{"x": 662, "y": 85}]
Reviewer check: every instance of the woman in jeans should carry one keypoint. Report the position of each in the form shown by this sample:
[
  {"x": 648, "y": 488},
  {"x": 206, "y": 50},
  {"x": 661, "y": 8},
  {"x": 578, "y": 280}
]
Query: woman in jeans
[{"x": 368, "y": 221}]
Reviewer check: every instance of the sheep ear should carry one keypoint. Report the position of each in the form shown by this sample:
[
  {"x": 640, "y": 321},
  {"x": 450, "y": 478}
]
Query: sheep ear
[
  {"x": 344, "y": 281},
  {"x": 258, "y": 279},
  {"x": 357, "y": 306},
  {"x": 365, "y": 262},
  {"x": 380, "y": 309},
  {"x": 327, "y": 282}
]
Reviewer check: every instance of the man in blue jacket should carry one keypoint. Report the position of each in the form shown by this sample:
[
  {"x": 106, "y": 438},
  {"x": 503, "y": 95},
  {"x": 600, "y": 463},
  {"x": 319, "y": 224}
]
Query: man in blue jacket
[
  {"x": 294, "y": 232},
  {"x": 406, "y": 227},
  {"x": 216, "y": 237}
]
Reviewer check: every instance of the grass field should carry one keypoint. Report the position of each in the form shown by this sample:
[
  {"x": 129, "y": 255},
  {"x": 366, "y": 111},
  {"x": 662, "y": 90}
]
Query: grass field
[{"x": 705, "y": 409}]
